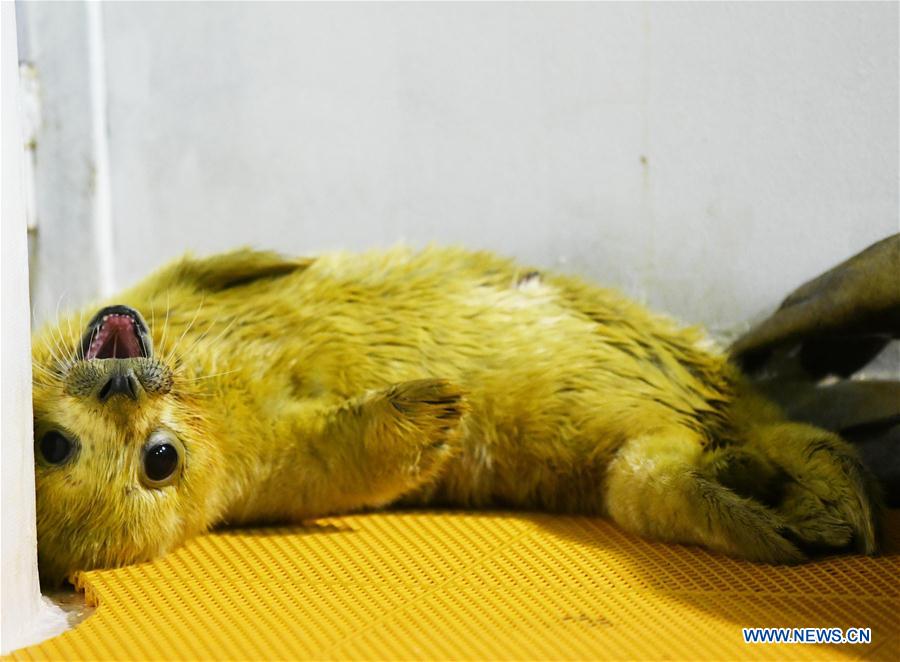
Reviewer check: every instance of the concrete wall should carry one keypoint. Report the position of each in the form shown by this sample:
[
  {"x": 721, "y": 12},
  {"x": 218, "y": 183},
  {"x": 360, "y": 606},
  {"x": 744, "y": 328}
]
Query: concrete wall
[{"x": 704, "y": 157}]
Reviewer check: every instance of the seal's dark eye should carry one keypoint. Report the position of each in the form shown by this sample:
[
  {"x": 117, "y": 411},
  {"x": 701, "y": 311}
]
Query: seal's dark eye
[
  {"x": 55, "y": 447},
  {"x": 162, "y": 459}
]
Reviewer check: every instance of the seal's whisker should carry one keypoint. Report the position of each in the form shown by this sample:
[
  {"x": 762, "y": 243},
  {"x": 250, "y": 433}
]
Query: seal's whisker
[
  {"x": 165, "y": 331},
  {"x": 54, "y": 351},
  {"x": 36, "y": 367},
  {"x": 183, "y": 333},
  {"x": 213, "y": 342},
  {"x": 72, "y": 341},
  {"x": 217, "y": 374},
  {"x": 152, "y": 327},
  {"x": 56, "y": 335},
  {"x": 198, "y": 339}
]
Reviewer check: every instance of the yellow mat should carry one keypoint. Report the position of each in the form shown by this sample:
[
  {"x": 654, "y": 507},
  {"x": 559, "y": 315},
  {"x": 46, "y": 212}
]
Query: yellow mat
[{"x": 427, "y": 585}]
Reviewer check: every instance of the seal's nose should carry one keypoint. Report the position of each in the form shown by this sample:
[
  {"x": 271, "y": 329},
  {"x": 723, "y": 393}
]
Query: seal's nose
[{"x": 119, "y": 384}]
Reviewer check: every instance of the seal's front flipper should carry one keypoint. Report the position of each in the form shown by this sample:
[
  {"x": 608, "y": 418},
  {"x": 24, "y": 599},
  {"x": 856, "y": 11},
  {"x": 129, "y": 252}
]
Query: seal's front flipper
[
  {"x": 223, "y": 271},
  {"x": 380, "y": 446}
]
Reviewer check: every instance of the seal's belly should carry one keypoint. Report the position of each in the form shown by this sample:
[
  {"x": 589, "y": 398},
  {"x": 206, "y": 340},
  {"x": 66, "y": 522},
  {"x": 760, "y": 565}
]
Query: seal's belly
[
  {"x": 556, "y": 374},
  {"x": 553, "y": 391}
]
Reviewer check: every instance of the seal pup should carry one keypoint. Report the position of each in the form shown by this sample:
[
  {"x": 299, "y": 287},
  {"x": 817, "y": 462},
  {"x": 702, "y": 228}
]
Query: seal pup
[{"x": 248, "y": 387}]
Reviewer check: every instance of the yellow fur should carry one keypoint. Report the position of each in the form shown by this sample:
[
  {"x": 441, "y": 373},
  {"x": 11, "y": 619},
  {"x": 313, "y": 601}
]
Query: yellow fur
[{"x": 306, "y": 387}]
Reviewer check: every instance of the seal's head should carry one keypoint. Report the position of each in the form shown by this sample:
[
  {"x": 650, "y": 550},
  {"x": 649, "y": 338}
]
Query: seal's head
[{"x": 120, "y": 450}]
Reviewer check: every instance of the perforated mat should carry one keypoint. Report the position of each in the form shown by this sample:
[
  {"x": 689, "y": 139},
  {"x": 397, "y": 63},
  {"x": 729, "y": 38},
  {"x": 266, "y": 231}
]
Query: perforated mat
[{"x": 432, "y": 585}]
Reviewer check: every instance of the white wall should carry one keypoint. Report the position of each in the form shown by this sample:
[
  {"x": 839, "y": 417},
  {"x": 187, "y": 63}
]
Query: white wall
[
  {"x": 25, "y": 617},
  {"x": 55, "y": 38},
  {"x": 19, "y": 593},
  {"x": 706, "y": 157}
]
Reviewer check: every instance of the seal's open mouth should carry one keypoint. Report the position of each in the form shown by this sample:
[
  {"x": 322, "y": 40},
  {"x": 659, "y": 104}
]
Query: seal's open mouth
[{"x": 116, "y": 332}]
